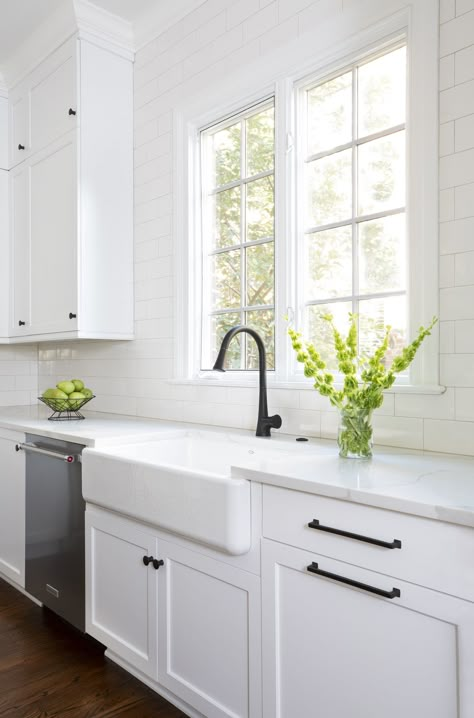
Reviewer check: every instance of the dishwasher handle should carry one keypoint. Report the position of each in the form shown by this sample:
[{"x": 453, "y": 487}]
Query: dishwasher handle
[{"x": 67, "y": 458}]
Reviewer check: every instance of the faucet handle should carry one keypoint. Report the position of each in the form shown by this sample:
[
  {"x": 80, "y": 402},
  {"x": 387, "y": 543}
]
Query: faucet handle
[
  {"x": 265, "y": 423},
  {"x": 274, "y": 421}
]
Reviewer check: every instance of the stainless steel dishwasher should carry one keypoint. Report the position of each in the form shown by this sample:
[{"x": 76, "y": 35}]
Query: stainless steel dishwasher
[{"x": 55, "y": 551}]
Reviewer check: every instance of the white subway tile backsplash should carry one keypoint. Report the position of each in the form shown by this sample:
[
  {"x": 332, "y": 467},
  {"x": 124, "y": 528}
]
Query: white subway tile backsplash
[
  {"x": 464, "y": 269},
  {"x": 446, "y": 205},
  {"x": 463, "y": 6},
  {"x": 464, "y": 201},
  {"x": 464, "y": 337},
  {"x": 446, "y": 139},
  {"x": 433, "y": 406},
  {"x": 447, "y": 10},
  {"x": 457, "y": 370},
  {"x": 452, "y": 437},
  {"x": 464, "y": 65},
  {"x": 446, "y": 337},
  {"x": 457, "y": 303},
  {"x": 457, "y": 236},
  {"x": 446, "y": 72},
  {"x": 463, "y": 133},
  {"x": 446, "y": 270},
  {"x": 456, "y": 33},
  {"x": 464, "y": 404}
]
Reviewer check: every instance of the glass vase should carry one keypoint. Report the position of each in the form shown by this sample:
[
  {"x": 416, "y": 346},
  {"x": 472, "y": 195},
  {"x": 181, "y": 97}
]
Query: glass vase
[{"x": 355, "y": 433}]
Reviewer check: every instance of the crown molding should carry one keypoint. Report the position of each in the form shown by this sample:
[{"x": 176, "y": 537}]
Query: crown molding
[
  {"x": 111, "y": 31},
  {"x": 159, "y": 17}
]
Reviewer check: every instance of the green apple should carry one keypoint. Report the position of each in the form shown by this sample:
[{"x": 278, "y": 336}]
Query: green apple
[
  {"x": 88, "y": 393},
  {"x": 66, "y": 386},
  {"x": 78, "y": 384},
  {"x": 75, "y": 399}
]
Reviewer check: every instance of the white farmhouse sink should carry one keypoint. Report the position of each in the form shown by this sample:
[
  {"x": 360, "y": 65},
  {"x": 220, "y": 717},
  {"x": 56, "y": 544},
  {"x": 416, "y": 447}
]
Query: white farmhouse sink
[{"x": 182, "y": 483}]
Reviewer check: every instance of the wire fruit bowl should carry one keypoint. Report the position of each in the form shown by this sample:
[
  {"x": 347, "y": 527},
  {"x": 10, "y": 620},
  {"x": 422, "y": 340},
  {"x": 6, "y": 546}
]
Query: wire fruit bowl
[{"x": 65, "y": 409}]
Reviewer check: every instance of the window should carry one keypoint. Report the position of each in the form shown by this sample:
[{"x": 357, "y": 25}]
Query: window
[
  {"x": 238, "y": 209},
  {"x": 353, "y": 198},
  {"x": 296, "y": 195}
]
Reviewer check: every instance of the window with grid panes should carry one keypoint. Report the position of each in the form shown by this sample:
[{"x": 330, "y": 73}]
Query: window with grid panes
[
  {"x": 238, "y": 208},
  {"x": 352, "y": 200}
]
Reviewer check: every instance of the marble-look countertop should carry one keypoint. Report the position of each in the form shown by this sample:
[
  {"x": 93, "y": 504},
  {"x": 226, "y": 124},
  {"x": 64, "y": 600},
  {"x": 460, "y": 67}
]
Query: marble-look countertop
[
  {"x": 96, "y": 430},
  {"x": 436, "y": 486}
]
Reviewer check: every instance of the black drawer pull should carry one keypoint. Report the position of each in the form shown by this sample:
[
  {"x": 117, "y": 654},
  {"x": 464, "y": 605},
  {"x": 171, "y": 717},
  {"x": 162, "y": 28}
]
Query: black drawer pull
[
  {"x": 147, "y": 560},
  {"x": 21, "y": 323},
  {"x": 71, "y": 111},
  {"x": 314, "y": 524},
  {"x": 314, "y": 568},
  {"x": 72, "y": 316},
  {"x": 21, "y": 147},
  {"x": 157, "y": 563}
]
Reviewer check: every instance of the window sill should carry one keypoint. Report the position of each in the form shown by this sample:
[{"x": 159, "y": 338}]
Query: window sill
[{"x": 296, "y": 385}]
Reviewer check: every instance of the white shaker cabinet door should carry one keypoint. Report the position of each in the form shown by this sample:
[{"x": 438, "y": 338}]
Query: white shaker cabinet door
[
  {"x": 121, "y": 589},
  {"x": 333, "y": 650},
  {"x": 209, "y": 634},
  {"x": 12, "y": 509},
  {"x": 53, "y": 103},
  {"x": 53, "y": 227},
  {"x": 20, "y": 251}
]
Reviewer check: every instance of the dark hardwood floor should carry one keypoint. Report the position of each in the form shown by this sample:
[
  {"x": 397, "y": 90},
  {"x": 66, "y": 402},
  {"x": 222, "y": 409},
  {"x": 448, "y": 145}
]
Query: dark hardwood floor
[{"x": 48, "y": 669}]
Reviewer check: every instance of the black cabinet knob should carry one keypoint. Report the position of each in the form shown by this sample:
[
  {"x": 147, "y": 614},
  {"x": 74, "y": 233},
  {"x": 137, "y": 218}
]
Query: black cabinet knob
[
  {"x": 21, "y": 324},
  {"x": 72, "y": 316},
  {"x": 147, "y": 560},
  {"x": 71, "y": 111},
  {"x": 21, "y": 147},
  {"x": 157, "y": 563}
]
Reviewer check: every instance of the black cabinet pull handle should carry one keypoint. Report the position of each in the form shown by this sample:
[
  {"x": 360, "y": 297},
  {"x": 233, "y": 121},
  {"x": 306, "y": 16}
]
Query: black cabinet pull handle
[
  {"x": 21, "y": 147},
  {"x": 314, "y": 524},
  {"x": 314, "y": 568},
  {"x": 157, "y": 563},
  {"x": 21, "y": 324},
  {"x": 71, "y": 111},
  {"x": 72, "y": 316},
  {"x": 147, "y": 560}
]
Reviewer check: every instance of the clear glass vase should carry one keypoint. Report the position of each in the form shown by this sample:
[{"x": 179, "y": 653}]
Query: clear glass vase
[{"x": 355, "y": 433}]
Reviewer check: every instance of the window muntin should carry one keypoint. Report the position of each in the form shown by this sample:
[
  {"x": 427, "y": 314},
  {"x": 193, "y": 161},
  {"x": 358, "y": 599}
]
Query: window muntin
[
  {"x": 353, "y": 193},
  {"x": 238, "y": 255}
]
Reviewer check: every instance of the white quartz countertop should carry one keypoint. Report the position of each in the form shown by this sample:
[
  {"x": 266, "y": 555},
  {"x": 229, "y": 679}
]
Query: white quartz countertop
[
  {"x": 437, "y": 486},
  {"x": 97, "y": 430}
]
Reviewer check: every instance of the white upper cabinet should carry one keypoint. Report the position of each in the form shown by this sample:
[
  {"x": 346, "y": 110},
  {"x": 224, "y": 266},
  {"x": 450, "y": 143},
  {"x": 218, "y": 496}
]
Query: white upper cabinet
[
  {"x": 53, "y": 98},
  {"x": 71, "y": 190}
]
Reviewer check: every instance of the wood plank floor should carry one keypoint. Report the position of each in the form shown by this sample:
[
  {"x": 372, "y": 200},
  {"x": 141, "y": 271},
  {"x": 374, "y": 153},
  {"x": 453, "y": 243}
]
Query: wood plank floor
[{"x": 48, "y": 669}]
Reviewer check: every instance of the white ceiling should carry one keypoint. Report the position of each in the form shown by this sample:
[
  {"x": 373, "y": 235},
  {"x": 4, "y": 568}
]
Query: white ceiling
[
  {"x": 128, "y": 9},
  {"x": 18, "y": 19}
]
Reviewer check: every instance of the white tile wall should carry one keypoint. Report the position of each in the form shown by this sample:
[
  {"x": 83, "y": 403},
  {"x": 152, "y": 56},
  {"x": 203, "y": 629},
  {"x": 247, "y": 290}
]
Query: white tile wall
[
  {"x": 132, "y": 377},
  {"x": 18, "y": 375}
]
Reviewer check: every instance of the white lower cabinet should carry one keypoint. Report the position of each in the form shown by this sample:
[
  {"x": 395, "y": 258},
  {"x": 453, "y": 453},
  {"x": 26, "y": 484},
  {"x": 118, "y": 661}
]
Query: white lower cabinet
[
  {"x": 189, "y": 622},
  {"x": 12, "y": 508},
  {"x": 121, "y": 591},
  {"x": 332, "y": 650}
]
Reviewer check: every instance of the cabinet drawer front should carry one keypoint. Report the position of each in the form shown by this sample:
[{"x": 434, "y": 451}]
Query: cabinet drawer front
[{"x": 426, "y": 552}]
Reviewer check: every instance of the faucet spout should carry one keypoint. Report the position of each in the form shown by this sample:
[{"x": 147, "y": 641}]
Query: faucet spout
[{"x": 264, "y": 422}]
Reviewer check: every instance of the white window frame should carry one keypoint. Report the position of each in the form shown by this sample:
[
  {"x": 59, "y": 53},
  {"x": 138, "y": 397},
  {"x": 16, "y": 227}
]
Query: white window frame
[{"x": 358, "y": 34}]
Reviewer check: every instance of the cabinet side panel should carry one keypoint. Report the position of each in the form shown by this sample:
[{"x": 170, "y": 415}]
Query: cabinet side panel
[
  {"x": 4, "y": 164},
  {"x": 106, "y": 192},
  {"x": 4, "y": 254}
]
